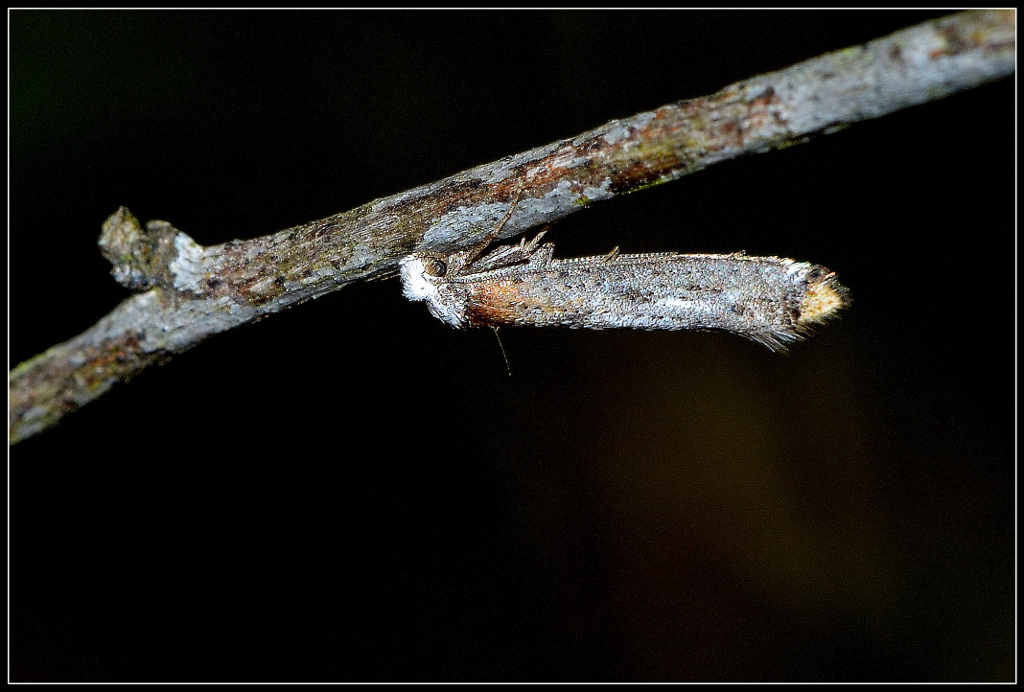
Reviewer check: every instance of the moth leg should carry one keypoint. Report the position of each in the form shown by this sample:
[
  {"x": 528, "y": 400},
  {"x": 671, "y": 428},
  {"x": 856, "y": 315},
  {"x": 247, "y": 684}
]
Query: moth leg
[
  {"x": 528, "y": 249},
  {"x": 475, "y": 251},
  {"x": 542, "y": 256},
  {"x": 504, "y": 255}
]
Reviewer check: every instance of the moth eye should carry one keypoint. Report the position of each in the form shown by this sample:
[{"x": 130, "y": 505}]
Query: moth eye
[{"x": 434, "y": 266}]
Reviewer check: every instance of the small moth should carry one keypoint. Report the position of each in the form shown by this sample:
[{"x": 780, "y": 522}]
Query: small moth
[{"x": 770, "y": 300}]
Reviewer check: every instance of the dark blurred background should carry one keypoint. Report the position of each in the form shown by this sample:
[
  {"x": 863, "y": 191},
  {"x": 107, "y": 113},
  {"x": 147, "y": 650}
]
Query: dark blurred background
[{"x": 352, "y": 490}]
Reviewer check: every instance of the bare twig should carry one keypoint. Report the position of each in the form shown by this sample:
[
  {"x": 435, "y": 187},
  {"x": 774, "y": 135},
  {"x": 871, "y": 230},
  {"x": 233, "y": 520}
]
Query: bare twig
[{"x": 186, "y": 292}]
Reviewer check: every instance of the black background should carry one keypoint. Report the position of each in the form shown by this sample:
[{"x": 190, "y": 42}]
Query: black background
[{"x": 352, "y": 490}]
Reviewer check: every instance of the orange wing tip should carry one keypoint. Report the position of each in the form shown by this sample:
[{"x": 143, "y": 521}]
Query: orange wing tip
[{"x": 823, "y": 298}]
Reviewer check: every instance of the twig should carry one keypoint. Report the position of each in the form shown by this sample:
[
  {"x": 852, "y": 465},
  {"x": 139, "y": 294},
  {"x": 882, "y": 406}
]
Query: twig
[{"x": 187, "y": 293}]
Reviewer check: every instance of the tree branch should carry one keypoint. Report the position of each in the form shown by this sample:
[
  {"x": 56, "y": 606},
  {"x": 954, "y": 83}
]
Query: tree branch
[{"x": 186, "y": 293}]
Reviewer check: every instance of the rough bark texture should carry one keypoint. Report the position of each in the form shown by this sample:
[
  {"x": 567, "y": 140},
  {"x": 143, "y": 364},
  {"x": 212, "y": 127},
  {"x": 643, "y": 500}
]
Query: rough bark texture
[{"x": 186, "y": 292}]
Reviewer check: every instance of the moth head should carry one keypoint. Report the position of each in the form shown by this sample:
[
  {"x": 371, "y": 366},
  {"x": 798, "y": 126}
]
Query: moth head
[
  {"x": 424, "y": 278},
  {"x": 419, "y": 275}
]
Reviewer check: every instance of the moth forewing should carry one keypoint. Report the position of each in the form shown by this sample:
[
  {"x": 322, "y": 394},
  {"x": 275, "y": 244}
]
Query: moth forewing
[{"x": 770, "y": 300}]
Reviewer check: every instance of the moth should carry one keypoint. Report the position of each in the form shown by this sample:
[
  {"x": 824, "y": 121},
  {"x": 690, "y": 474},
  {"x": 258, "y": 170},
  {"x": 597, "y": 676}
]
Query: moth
[{"x": 771, "y": 300}]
